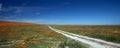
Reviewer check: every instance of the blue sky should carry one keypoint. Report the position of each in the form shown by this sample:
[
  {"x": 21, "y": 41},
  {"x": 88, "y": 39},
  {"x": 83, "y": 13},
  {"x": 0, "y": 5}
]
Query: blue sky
[{"x": 85, "y": 12}]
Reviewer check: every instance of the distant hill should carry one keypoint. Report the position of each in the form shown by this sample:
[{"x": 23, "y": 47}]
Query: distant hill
[{"x": 10, "y": 23}]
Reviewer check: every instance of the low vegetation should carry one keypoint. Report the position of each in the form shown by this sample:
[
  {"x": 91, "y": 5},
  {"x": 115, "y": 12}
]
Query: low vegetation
[
  {"x": 105, "y": 32},
  {"x": 33, "y": 36}
]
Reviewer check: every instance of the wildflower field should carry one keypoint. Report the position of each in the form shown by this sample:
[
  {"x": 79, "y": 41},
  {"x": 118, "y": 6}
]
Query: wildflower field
[
  {"x": 33, "y": 36},
  {"x": 105, "y": 32}
]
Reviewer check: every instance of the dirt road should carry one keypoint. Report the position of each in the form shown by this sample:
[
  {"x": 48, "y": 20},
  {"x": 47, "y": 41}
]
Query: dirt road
[{"x": 91, "y": 42}]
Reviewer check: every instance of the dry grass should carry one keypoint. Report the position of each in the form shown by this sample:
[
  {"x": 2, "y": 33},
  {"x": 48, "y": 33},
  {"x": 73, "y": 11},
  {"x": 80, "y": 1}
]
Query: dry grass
[
  {"x": 108, "y": 33},
  {"x": 33, "y": 36}
]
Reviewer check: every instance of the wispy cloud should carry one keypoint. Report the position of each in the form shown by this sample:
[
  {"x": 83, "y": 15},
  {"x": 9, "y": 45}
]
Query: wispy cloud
[
  {"x": 9, "y": 13},
  {"x": 25, "y": 3},
  {"x": 0, "y": 7},
  {"x": 27, "y": 20},
  {"x": 67, "y": 3},
  {"x": 12, "y": 9},
  {"x": 24, "y": 20},
  {"x": 18, "y": 13},
  {"x": 18, "y": 10},
  {"x": 37, "y": 13},
  {"x": 35, "y": 8}
]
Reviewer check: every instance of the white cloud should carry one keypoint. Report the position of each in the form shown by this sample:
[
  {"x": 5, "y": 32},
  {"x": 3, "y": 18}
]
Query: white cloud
[
  {"x": 10, "y": 12},
  {"x": 20, "y": 9},
  {"x": 33, "y": 20},
  {"x": 12, "y": 8},
  {"x": 27, "y": 20},
  {"x": 37, "y": 21}
]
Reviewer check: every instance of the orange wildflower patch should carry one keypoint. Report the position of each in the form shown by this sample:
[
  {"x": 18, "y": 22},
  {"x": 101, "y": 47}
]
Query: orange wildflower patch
[
  {"x": 2, "y": 30},
  {"x": 21, "y": 45}
]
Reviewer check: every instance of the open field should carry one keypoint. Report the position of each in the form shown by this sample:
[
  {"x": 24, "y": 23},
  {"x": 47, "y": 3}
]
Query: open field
[
  {"x": 108, "y": 33},
  {"x": 33, "y": 36}
]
